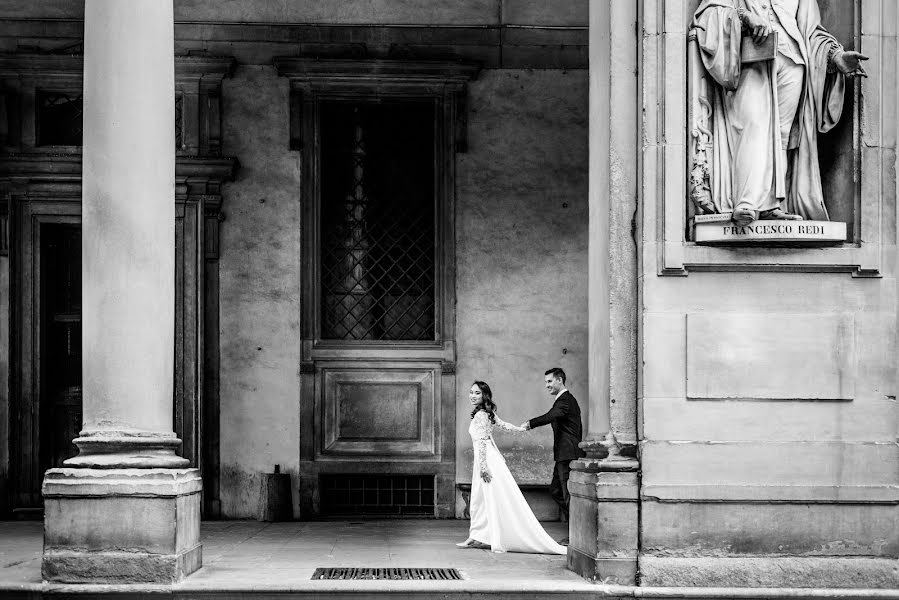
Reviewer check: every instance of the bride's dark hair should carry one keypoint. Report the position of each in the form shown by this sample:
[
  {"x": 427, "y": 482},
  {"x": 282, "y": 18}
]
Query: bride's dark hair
[{"x": 487, "y": 404}]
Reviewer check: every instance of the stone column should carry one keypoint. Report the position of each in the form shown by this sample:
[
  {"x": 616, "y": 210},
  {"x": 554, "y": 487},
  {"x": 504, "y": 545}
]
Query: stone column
[
  {"x": 126, "y": 509},
  {"x": 604, "y": 486}
]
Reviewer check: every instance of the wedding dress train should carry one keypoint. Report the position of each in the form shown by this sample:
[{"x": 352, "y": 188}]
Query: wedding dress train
[{"x": 500, "y": 516}]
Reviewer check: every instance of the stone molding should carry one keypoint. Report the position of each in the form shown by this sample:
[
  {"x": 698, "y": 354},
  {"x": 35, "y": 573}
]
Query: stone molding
[
  {"x": 127, "y": 449},
  {"x": 772, "y": 494},
  {"x": 198, "y": 81},
  {"x": 97, "y": 483}
]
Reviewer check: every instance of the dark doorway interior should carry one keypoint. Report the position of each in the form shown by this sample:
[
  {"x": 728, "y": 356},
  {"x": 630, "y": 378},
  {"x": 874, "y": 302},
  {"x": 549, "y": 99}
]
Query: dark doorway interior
[{"x": 60, "y": 342}]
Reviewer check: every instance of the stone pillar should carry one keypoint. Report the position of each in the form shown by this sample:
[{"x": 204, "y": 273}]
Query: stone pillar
[
  {"x": 127, "y": 508},
  {"x": 604, "y": 486}
]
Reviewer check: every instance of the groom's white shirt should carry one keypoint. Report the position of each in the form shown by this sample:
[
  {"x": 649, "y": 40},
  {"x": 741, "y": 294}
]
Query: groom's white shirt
[{"x": 562, "y": 391}]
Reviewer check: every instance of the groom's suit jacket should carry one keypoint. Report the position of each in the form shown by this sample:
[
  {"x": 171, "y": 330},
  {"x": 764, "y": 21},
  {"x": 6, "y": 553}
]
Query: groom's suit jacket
[{"x": 565, "y": 418}]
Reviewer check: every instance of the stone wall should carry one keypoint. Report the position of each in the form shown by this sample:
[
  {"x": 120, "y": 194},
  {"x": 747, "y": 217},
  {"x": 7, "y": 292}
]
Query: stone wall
[
  {"x": 521, "y": 254},
  {"x": 260, "y": 290},
  {"x": 768, "y": 411}
]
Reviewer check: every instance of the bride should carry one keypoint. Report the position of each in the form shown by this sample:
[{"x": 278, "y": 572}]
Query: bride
[{"x": 500, "y": 517}]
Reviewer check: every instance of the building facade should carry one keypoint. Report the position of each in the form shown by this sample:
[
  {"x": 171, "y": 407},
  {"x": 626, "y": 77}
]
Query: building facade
[{"x": 374, "y": 205}]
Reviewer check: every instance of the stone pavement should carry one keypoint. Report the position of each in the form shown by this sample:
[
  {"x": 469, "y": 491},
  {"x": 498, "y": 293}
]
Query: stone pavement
[
  {"x": 244, "y": 559},
  {"x": 241, "y": 557}
]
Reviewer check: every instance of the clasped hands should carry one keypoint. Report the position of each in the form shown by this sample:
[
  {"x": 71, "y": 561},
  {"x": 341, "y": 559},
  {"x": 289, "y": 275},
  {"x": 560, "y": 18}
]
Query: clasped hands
[
  {"x": 847, "y": 62},
  {"x": 485, "y": 475}
]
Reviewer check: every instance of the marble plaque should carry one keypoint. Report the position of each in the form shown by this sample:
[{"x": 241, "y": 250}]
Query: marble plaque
[{"x": 774, "y": 231}]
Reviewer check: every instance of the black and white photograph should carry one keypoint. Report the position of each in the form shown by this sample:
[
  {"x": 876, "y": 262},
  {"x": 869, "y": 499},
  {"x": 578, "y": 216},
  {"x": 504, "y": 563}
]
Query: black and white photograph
[{"x": 463, "y": 299}]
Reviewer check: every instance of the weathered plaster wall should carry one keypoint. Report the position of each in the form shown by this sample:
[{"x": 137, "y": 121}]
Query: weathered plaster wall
[
  {"x": 521, "y": 258},
  {"x": 259, "y": 266},
  {"x": 521, "y": 247}
]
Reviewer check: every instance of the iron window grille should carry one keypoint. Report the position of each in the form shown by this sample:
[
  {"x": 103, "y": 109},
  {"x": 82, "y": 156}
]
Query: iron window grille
[
  {"x": 59, "y": 118},
  {"x": 377, "y": 495},
  {"x": 378, "y": 221}
]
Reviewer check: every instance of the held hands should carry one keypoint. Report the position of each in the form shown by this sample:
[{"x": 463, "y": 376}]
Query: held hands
[
  {"x": 849, "y": 63},
  {"x": 526, "y": 425},
  {"x": 485, "y": 475}
]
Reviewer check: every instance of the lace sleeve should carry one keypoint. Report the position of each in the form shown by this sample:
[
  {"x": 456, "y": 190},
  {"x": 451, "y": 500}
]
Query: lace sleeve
[
  {"x": 482, "y": 428},
  {"x": 507, "y": 426}
]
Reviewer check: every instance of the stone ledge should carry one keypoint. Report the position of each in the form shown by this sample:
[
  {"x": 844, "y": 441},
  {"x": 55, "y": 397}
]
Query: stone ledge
[
  {"x": 781, "y": 232},
  {"x": 769, "y": 572},
  {"x": 119, "y": 567},
  {"x": 818, "y": 494}
]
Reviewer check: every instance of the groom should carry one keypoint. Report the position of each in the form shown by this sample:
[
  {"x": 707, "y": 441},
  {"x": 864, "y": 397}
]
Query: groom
[{"x": 565, "y": 418}]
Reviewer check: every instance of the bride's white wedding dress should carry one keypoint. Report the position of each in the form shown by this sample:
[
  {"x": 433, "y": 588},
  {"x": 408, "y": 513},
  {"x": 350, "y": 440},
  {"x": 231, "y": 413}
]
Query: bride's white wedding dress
[{"x": 500, "y": 516}]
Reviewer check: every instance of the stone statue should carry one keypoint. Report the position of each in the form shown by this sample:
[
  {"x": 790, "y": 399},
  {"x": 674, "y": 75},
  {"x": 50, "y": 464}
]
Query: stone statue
[{"x": 757, "y": 113}]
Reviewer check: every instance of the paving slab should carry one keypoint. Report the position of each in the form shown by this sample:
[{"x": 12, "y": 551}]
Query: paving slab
[{"x": 243, "y": 558}]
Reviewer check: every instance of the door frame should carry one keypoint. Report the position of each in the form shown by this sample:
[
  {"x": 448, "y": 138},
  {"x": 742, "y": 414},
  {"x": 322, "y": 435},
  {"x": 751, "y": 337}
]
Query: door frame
[
  {"x": 366, "y": 362},
  {"x": 28, "y": 216}
]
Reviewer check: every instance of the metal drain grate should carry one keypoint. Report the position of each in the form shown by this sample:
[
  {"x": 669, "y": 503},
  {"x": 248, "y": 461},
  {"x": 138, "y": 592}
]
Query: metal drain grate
[{"x": 386, "y": 573}]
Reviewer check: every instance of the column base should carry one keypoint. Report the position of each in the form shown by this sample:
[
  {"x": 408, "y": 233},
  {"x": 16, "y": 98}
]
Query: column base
[
  {"x": 121, "y": 525},
  {"x": 613, "y": 571},
  {"x": 604, "y": 520}
]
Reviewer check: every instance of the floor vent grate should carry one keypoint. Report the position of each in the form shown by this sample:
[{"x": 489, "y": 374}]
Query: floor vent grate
[{"x": 385, "y": 573}]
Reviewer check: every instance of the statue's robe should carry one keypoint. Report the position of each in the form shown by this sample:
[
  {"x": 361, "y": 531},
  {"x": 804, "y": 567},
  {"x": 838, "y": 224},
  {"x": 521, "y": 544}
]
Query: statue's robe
[{"x": 747, "y": 166}]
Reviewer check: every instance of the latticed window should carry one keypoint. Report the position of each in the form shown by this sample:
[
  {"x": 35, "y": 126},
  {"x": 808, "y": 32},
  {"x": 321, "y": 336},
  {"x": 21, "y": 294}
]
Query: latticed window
[
  {"x": 378, "y": 215},
  {"x": 59, "y": 118}
]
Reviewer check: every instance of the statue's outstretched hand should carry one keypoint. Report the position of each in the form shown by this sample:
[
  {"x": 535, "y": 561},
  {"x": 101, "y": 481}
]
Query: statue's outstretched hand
[{"x": 849, "y": 62}]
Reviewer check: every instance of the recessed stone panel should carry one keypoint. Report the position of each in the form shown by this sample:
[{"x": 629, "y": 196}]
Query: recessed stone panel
[
  {"x": 770, "y": 356},
  {"x": 376, "y": 410}
]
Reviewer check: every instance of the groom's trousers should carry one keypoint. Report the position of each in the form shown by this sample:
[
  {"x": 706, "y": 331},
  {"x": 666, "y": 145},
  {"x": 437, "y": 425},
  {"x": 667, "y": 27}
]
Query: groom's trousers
[{"x": 558, "y": 488}]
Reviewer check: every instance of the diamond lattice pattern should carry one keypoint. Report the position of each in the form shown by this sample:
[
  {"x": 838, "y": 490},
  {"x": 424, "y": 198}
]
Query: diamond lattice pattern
[{"x": 378, "y": 233}]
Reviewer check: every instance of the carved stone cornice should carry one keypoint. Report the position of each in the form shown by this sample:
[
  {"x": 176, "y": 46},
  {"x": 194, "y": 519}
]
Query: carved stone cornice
[
  {"x": 219, "y": 168},
  {"x": 309, "y": 69},
  {"x": 447, "y": 79},
  {"x": 26, "y": 169},
  {"x": 186, "y": 67},
  {"x": 33, "y": 167}
]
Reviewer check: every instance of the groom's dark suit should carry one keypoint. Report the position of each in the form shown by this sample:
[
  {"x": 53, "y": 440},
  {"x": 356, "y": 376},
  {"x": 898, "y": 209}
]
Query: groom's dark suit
[{"x": 565, "y": 418}]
